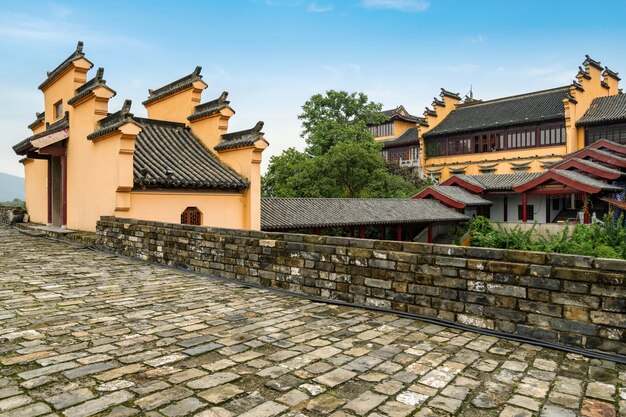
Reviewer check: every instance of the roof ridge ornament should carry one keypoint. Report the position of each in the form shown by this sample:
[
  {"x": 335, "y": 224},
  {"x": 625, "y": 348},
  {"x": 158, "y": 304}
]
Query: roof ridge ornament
[
  {"x": 258, "y": 126},
  {"x": 126, "y": 107}
]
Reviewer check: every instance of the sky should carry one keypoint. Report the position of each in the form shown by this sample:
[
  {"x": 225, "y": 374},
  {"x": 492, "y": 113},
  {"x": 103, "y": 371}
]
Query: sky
[{"x": 272, "y": 55}]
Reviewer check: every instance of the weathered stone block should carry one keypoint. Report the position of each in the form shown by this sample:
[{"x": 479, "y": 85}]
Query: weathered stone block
[
  {"x": 574, "y": 327},
  {"x": 378, "y": 283},
  {"x": 541, "y": 308},
  {"x": 576, "y": 313},
  {"x": 540, "y": 282},
  {"x": 475, "y": 321},
  {"x": 618, "y": 265},
  {"x": 536, "y": 333},
  {"x": 485, "y": 253},
  {"x": 476, "y": 298},
  {"x": 448, "y": 261},
  {"x": 503, "y": 289},
  {"x": 525, "y": 256},
  {"x": 609, "y": 319},
  {"x": 614, "y": 304},
  {"x": 504, "y": 314}
]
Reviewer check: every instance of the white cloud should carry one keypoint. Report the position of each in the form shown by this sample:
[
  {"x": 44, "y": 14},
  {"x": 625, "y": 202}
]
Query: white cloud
[
  {"x": 475, "y": 39},
  {"x": 23, "y": 28},
  {"x": 401, "y": 5},
  {"x": 318, "y": 8}
]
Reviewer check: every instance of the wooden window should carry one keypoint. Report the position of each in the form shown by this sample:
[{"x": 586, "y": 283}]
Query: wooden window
[
  {"x": 191, "y": 215},
  {"x": 616, "y": 133},
  {"x": 385, "y": 129},
  {"x": 58, "y": 109},
  {"x": 530, "y": 214}
]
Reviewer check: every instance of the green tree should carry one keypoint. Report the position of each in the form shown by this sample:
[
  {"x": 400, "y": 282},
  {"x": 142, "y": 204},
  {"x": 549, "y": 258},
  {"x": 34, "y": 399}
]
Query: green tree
[
  {"x": 342, "y": 159},
  {"x": 337, "y": 116}
]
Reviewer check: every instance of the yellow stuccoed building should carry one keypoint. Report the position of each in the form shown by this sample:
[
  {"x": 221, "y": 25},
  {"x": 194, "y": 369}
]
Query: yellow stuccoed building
[
  {"x": 522, "y": 133},
  {"x": 178, "y": 165}
]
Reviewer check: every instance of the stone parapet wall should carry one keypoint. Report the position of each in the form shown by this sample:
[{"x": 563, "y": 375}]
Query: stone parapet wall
[
  {"x": 7, "y": 213},
  {"x": 573, "y": 300}
]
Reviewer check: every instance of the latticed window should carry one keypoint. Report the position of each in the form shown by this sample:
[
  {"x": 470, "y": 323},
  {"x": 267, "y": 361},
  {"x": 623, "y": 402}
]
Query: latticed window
[{"x": 191, "y": 215}]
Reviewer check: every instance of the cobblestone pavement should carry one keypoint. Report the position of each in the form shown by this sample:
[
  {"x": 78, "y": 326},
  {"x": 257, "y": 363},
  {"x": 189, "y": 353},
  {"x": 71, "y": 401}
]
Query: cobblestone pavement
[{"x": 84, "y": 333}]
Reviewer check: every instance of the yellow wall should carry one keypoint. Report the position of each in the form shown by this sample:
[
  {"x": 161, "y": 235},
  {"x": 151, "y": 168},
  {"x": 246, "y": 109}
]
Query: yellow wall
[
  {"x": 64, "y": 88},
  {"x": 218, "y": 209},
  {"x": 36, "y": 184},
  {"x": 247, "y": 162},
  {"x": 100, "y": 172},
  {"x": 593, "y": 88},
  {"x": 574, "y": 110},
  {"x": 399, "y": 127},
  {"x": 177, "y": 107},
  {"x": 503, "y": 160},
  {"x": 210, "y": 129}
]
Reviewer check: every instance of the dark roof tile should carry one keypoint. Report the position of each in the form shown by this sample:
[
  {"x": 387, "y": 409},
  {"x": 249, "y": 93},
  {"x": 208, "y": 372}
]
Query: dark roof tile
[
  {"x": 173, "y": 87},
  {"x": 461, "y": 195},
  {"x": 240, "y": 139},
  {"x": 87, "y": 88},
  {"x": 210, "y": 107},
  {"x": 605, "y": 110},
  {"x": 40, "y": 117},
  {"x": 292, "y": 213},
  {"x": 25, "y": 146},
  {"x": 169, "y": 155},
  {"x": 407, "y": 138},
  {"x": 77, "y": 54},
  {"x": 508, "y": 111},
  {"x": 495, "y": 182}
]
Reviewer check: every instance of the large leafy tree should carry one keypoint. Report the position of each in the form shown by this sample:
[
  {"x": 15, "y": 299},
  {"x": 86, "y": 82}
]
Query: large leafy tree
[
  {"x": 341, "y": 159},
  {"x": 337, "y": 116}
]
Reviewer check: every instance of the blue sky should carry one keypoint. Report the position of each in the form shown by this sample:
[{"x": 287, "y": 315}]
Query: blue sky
[{"x": 272, "y": 55}]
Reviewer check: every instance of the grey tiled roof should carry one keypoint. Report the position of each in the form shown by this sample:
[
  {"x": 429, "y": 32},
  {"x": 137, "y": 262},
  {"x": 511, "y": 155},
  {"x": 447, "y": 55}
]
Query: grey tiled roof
[
  {"x": 86, "y": 89},
  {"x": 173, "y": 87},
  {"x": 168, "y": 155},
  {"x": 494, "y": 182},
  {"x": 25, "y": 146},
  {"x": 113, "y": 121},
  {"x": 583, "y": 179},
  {"x": 240, "y": 139},
  {"x": 508, "y": 111},
  {"x": 210, "y": 107},
  {"x": 407, "y": 138},
  {"x": 598, "y": 166},
  {"x": 605, "y": 110},
  {"x": 77, "y": 54},
  {"x": 461, "y": 195},
  {"x": 291, "y": 213},
  {"x": 400, "y": 113},
  {"x": 39, "y": 119}
]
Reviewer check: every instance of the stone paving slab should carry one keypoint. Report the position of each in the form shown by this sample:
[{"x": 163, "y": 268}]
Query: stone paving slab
[{"x": 84, "y": 333}]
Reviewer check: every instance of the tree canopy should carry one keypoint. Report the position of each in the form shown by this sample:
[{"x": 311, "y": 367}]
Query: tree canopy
[{"x": 341, "y": 159}]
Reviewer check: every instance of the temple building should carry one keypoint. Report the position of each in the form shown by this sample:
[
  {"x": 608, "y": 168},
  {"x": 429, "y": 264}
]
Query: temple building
[
  {"x": 398, "y": 134},
  {"x": 585, "y": 184},
  {"x": 523, "y": 133},
  {"x": 178, "y": 165}
]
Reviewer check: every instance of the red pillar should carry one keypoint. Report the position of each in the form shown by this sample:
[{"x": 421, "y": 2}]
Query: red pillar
[
  {"x": 362, "y": 232},
  {"x": 586, "y": 208},
  {"x": 63, "y": 191},
  {"x": 399, "y": 232},
  {"x": 318, "y": 231},
  {"x": 524, "y": 208},
  {"x": 49, "y": 191},
  {"x": 383, "y": 229},
  {"x": 430, "y": 233}
]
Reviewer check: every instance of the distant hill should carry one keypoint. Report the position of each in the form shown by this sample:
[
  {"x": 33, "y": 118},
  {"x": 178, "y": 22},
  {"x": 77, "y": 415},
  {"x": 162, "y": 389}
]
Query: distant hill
[{"x": 11, "y": 187}]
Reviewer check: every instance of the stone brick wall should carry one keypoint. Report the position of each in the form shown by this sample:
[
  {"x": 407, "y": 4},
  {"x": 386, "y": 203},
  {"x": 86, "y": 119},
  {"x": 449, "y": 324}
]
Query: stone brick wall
[
  {"x": 7, "y": 213},
  {"x": 573, "y": 300}
]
